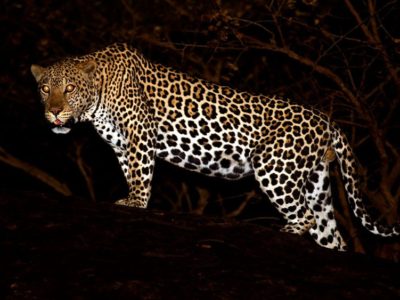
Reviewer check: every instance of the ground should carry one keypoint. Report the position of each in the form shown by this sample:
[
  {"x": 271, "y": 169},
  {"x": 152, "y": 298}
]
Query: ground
[{"x": 64, "y": 248}]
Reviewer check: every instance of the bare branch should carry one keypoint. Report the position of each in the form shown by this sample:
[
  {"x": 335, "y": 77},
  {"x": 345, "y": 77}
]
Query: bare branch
[
  {"x": 35, "y": 172},
  {"x": 360, "y": 22},
  {"x": 85, "y": 171}
]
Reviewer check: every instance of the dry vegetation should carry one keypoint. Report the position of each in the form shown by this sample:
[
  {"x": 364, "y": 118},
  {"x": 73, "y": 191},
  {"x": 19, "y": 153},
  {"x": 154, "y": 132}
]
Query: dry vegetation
[{"x": 339, "y": 56}]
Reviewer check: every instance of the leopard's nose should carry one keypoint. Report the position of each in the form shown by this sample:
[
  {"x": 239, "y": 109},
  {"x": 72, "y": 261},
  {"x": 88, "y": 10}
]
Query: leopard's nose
[{"x": 55, "y": 110}]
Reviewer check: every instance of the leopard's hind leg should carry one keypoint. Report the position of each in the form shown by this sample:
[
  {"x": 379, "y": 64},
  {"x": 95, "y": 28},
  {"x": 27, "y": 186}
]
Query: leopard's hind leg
[{"x": 284, "y": 188}]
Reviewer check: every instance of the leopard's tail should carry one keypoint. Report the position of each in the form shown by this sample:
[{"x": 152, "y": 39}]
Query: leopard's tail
[{"x": 348, "y": 166}]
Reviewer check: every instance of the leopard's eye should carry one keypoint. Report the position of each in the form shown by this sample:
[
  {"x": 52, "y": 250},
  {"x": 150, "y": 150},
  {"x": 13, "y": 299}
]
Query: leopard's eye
[
  {"x": 69, "y": 88},
  {"x": 45, "y": 89}
]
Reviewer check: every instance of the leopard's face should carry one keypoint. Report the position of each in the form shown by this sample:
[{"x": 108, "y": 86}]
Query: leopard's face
[{"x": 66, "y": 91}]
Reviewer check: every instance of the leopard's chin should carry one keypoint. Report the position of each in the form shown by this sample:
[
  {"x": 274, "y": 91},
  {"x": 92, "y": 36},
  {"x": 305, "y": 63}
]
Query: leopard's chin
[{"x": 61, "y": 130}]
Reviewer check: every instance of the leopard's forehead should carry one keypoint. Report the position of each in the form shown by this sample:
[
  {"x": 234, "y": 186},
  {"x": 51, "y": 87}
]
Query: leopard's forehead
[{"x": 61, "y": 73}]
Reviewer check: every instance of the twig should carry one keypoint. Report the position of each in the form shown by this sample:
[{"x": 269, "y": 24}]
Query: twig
[{"x": 242, "y": 205}]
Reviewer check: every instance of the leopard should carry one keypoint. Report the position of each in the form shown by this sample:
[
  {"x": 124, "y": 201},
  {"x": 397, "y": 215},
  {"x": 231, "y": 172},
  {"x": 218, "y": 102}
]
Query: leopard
[{"x": 145, "y": 110}]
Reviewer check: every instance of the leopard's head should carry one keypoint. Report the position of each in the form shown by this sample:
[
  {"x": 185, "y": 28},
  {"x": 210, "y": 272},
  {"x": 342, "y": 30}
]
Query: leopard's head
[{"x": 67, "y": 90}]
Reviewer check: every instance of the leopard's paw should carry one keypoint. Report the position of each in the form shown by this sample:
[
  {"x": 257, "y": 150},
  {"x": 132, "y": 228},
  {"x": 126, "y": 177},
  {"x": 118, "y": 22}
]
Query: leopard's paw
[{"x": 132, "y": 203}]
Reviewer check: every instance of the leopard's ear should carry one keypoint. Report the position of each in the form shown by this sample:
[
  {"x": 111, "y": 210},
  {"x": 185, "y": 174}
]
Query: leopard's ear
[
  {"x": 89, "y": 66},
  {"x": 37, "y": 72}
]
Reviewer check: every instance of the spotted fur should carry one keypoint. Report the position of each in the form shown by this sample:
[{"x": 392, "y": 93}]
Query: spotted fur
[{"x": 144, "y": 110}]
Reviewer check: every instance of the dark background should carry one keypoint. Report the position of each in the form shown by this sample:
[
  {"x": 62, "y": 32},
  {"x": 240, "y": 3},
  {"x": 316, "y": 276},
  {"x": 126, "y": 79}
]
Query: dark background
[{"x": 341, "y": 57}]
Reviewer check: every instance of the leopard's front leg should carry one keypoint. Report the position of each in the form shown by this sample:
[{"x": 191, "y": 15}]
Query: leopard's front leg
[
  {"x": 134, "y": 145},
  {"x": 137, "y": 164}
]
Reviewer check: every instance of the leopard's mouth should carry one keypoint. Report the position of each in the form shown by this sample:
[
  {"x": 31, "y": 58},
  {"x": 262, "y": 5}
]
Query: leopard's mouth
[
  {"x": 58, "y": 122},
  {"x": 59, "y": 118}
]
